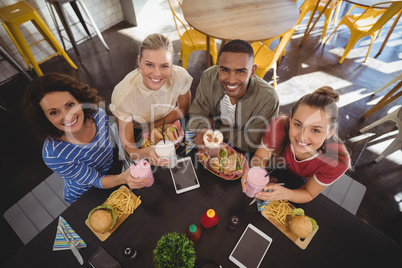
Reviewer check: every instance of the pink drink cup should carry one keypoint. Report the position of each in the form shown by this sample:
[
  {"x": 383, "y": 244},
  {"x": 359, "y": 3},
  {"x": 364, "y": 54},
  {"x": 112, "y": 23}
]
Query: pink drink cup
[
  {"x": 142, "y": 170},
  {"x": 256, "y": 180}
]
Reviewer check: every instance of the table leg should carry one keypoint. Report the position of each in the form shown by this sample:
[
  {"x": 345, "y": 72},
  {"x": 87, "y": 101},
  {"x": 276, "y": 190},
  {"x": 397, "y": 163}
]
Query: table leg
[
  {"x": 308, "y": 30},
  {"x": 389, "y": 33},
  {"x": 222, "y": 45},
  {"x": 208, "y": 52}
]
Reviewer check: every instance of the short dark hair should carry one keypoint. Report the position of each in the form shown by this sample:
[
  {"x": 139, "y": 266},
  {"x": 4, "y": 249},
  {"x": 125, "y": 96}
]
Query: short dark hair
[
  {"x": 238, "y": 46},
  {"x": 54, "y": 82}
]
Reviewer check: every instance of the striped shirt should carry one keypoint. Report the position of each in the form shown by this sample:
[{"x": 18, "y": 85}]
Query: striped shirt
[
  {"x": 228, "y": 111},
  {"x": 81, "y": 166}
]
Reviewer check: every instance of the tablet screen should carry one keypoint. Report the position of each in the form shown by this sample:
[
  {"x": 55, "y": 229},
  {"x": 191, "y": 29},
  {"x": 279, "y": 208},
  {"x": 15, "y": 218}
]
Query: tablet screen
[
  {"x": 184, "y": 176},
  {"x": 251, "y": 248}
]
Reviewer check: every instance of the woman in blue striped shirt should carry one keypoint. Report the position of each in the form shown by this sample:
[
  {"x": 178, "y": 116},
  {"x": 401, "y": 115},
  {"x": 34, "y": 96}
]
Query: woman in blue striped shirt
[{"x": 78, "y": 145}]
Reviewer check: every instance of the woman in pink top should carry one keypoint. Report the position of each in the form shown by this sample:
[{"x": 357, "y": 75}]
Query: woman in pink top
[{"x": 305, "y": 141}]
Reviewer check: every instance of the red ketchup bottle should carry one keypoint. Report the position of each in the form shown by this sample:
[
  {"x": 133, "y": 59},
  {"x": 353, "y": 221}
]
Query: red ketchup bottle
[
  {"x": 194, "y": 233},
  {"x": 209, "y": 218}
]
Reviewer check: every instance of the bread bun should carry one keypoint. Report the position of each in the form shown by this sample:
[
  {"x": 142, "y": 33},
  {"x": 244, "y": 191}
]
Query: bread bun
[
  {"x": 214, "y": 164},
  {"x": 301, "y": 226},
  {"x": 102, "y": 218}
]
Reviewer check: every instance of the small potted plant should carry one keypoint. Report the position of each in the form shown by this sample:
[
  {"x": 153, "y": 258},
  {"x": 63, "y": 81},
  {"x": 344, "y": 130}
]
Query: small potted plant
[{"x": 174, "y": 250}]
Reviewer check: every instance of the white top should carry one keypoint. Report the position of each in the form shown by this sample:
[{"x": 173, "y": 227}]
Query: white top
[
  {"x": 228, "y": 111},
  {"x": 133, "y": 101}
]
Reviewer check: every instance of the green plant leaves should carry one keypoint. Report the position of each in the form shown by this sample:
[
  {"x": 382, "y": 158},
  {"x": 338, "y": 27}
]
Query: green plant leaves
[{"x": 174, "y": 250}]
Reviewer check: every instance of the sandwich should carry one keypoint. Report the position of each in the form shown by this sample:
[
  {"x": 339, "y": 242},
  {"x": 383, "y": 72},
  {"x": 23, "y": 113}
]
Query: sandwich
[
  {"x": 227, "y": 162},
  {"x": 171, "y": 133},
  {"x": 102, "y": 218},
  {"x": 301, "y": 225}
]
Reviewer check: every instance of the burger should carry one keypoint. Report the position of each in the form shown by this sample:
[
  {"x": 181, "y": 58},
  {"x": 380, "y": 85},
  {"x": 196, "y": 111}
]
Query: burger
[
  {"x": 102, "y": 218},
  {"x": 300, "y": 225}
]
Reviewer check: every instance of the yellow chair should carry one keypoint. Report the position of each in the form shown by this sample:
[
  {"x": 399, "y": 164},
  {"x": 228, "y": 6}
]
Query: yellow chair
[
  {"x": 267, "y": 59},
  {"x": 309, "y": 5},
  {"x": 14, "y": 15},
  {"x": 367, "y": 24},
  {"x": 191, "y": 39}
]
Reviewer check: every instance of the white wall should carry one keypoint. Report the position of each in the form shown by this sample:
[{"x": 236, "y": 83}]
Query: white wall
[{"x": 105, "y": 13}]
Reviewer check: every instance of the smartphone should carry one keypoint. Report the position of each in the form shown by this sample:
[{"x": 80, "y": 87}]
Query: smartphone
[
  {"x": 184, "y": 176},
  {"x": 102, "y": 259},
  {"x": 251, "y": 248}
]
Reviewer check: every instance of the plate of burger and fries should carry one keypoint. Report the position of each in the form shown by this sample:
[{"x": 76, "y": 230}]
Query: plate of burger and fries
[
  {"x": 291, "y": 221},
  {"x": 104, "y": 219},
  {"x": 229, "y": 164},
  {"x": 173, "y": 132}
]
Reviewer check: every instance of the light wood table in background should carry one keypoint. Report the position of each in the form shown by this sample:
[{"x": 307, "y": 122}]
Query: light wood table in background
[{"x": 249, "y": 20}]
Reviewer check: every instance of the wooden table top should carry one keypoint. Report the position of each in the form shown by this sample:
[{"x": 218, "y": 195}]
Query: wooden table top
[{"x": 249, "y": 20}]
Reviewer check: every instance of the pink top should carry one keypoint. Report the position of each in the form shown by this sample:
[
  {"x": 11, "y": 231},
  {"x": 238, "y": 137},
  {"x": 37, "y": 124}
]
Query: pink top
[{"x": 324, "y": 168}]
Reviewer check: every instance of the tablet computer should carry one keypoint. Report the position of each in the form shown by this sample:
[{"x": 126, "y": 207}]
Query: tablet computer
[
  {"x": 251, "y": 248},
  {"x": 184, "y": 176}
]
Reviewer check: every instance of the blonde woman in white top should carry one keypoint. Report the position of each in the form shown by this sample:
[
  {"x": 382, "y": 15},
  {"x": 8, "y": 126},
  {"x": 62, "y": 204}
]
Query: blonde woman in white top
[{"x": 157, "y": 90}]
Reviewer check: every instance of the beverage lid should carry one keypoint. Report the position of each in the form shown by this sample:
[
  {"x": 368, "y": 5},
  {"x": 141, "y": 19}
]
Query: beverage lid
[
  {"x": 211, "y": 213},
  {"x": 193, "y": 228}
]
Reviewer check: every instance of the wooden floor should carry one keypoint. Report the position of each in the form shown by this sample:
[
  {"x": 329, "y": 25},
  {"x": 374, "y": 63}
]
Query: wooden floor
[{"x": 302, "y": 70}]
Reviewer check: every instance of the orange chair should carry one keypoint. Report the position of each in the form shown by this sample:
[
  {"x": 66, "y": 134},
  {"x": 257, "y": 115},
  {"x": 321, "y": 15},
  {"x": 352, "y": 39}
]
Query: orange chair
[
  {"x": 367, "y": 24},
  {"x": 309, "y": 5},
  {"x": 267, "y": 59},
  {"x": 191, "y": 39},
  {"x": 16, "y": 14}
]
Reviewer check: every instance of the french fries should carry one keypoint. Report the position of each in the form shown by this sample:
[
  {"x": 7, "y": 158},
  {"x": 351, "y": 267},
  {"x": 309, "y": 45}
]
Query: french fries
[
  {"x": 279, "y": 210},
  {"x": 123, "y": 201}
]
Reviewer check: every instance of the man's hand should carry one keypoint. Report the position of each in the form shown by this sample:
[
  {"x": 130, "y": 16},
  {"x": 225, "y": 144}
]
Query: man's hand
[{"x": 200, "y": 141}]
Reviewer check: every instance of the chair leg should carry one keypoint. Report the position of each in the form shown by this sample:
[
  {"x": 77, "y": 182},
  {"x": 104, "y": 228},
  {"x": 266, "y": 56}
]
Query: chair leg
[
  {"x": 63, "y": 18},
  {"x": 93, "y": 23},
  {"x": 368, "y": 51},
  {"x": 48, "y": 35},
  {"x": 398, "y": 77},
  {"x": 51, "y": 11},
  {"x": 24, "y": 48},
  {"x": 352, "y": 41},
  {"x": 387, "y": 99},
  {"x": 392, "y": 116},
  {"x": 74, "y": 5},
  {"x": 7, "y": 56},
  {"x": 333, "y": 32},
  {"x": 274, "y": 74},
  {"x": 214, "y": 54},
  {"x": 185, "y": 60},
  {"x": 338, "y": 7},
  {"x": 29, "y": 66},
  {"x": 394, "y": 146}
]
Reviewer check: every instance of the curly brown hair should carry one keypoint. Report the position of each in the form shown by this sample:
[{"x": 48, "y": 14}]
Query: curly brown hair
[{"x": 53, "y": 82}]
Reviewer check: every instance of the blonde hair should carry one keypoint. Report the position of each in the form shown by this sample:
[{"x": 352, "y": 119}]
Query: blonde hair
[{"x": 154, "y": 42}]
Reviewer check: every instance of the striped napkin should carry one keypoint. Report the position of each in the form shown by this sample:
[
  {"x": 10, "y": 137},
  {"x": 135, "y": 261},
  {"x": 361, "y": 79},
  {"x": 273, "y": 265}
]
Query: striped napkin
[
  {"x": 60, "y": 243},
  {"x": 190, "y": 141}
]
